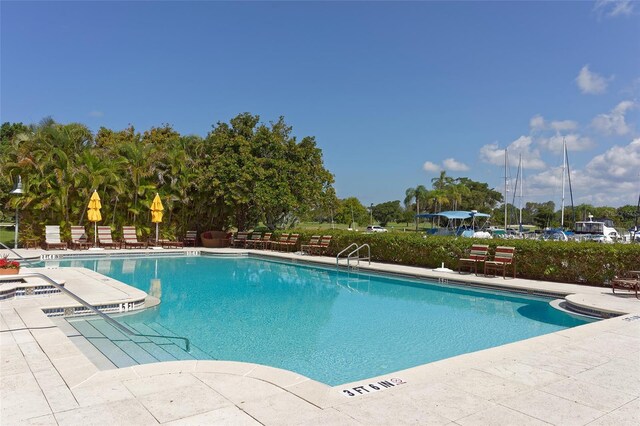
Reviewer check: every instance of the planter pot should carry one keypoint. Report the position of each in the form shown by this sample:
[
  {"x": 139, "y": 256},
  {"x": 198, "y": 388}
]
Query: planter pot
[
  {"x": 9, "y": 271},
  {"x": 214, "y": 239}
]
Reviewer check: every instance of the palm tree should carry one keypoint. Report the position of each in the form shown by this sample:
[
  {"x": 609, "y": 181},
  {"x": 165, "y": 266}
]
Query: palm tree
[{"x": 419, "y": 194}]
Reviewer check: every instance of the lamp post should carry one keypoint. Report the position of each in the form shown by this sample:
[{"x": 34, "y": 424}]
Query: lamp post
[
  {"x": 17, "y": 191},
  {"x": 371, "y": 213}
]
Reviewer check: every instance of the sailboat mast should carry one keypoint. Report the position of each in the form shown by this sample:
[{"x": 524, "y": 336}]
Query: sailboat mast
[
  {"x": 506, "y": 188},
  {"x": 564, "y": 167},
  {"x": 521, "y": 175}
]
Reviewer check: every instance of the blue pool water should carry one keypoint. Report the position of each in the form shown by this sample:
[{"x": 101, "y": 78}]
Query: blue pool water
[{"x": 328, "y": 325}]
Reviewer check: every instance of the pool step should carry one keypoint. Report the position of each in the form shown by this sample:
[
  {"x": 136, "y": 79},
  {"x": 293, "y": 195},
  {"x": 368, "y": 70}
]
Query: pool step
[{"x": 125, "y": 350}]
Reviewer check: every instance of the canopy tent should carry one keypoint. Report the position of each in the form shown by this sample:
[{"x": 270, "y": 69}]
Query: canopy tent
[{"x": 454, "y": 214}]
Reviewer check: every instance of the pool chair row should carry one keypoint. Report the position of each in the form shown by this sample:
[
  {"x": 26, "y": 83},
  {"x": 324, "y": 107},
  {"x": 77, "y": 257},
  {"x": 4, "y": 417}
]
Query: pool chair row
[
  {"x": 286, "y": 242},
  {"x": 80, "y": 240},
  {"x": 502, "y": 260}
]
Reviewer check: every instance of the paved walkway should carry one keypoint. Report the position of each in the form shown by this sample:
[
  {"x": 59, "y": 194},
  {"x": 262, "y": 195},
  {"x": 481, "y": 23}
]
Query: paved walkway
[{"x": 584, "y": 375}]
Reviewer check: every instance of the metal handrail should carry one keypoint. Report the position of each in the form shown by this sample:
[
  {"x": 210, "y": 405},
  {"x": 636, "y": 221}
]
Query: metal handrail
[
  {"x": 17, "y": 254},
  {"x": 345, "y": 249},
  {"x": 100, "y": 313},
  {"x": 357, "y": 250}
]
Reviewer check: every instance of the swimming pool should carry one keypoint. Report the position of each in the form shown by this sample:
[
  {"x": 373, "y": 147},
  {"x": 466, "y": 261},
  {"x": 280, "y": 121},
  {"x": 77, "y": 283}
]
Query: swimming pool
[{"x": 332, "y": 326}]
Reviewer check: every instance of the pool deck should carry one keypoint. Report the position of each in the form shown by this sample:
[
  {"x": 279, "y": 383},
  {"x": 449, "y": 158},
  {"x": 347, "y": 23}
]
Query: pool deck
[{"x": 583, "y": 375}]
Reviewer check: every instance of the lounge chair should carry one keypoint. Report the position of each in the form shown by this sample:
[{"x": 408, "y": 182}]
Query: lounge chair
[
  {"x": 240, "y": 239},
  {"x": 79, "y": 238},
  {"x": 477, "y": 254},
  {"x": 282, "y": 240},
  {"x": 130, "y": 239},
  {"x": 256, "y": 237},
  {"x": 105, "y": 239},
  {"x": 627, "y": 282},
  {"x": 171, "y": 244},
  {"x": 265, "y": 241},
  {"x": 291, "y": 243},
  {"x": 191, "y": 238},
  {"x": 503, "y": 258},
  {"x": 323, "y": 246},
  {"x": 52, "y": 238},
  {"x": 314, "y": 241}
]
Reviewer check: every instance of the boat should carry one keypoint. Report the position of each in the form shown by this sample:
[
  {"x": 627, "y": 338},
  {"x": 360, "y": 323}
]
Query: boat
[
  {"x": 460, "y": 223},
  {"x": 599, "y": 230}
]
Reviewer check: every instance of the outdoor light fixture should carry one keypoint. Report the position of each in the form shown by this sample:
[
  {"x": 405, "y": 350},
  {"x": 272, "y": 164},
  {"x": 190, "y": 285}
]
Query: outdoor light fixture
[{"x": 17, "y": 191}]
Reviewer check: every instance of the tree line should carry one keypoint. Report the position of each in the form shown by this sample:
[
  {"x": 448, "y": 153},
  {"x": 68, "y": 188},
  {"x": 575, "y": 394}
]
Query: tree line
[{"x": 242, "y": 173}]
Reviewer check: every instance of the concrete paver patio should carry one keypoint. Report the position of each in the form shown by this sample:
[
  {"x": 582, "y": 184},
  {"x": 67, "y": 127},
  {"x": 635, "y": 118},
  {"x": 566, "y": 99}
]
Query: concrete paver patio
[{"x": 583, "y": 375}]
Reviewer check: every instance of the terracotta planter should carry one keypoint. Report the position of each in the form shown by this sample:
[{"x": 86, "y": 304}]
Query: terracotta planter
[{"x": 9, "y": 271}]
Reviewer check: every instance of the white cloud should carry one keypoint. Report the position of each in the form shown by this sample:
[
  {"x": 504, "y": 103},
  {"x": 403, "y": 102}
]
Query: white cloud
[
  {"x": 454, "y": 165},
  {"x": 96, "y": 113},
  {"x": 564, "y": 125},
  {"x": 590, "y": 82},
  {"x": 492, "y": 154},
  {"x": 611, "y": 178},
  {"x": 428, "y": 166},
  {"x": 614, "y": 123},
  {"x": 575, "y": 142},
  {"x": 536, "y": 122},
  {"x": 613, "y": 8}
]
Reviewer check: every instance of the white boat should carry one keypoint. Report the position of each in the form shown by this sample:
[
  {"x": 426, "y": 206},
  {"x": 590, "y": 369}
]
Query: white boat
[{"x": 599, "y": 230}]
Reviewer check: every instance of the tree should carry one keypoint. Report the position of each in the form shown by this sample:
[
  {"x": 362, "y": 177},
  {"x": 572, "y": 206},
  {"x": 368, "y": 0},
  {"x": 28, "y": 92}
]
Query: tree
[
  {"x": 351, "y": 210},
  {"x": 387, "y": 212}
]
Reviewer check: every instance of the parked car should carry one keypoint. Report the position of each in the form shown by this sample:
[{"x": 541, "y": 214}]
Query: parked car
[{"x": 376, "y": 228}]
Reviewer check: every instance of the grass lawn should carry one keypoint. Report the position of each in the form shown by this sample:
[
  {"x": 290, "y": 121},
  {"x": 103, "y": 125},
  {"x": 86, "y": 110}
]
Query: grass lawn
[
  {"x": 392, "y": 226},
  {"x": 7, "y": 235}
]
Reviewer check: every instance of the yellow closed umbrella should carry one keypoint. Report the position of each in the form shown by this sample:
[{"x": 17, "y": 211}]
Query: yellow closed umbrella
[
  {"x": 156, "y": 212},
  {"x": 93, "y": 214}
]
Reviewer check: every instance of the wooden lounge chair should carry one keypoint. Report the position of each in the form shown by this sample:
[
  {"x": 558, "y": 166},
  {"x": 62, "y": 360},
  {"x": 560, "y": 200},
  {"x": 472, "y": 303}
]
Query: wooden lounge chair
[
  {"x": 79, "y": 238},
  {"x": 265, "y": 241},
  {"x": 503, "y": 258},
  {"x": 477, "y": 254},
  {"x": 105, "y": 239},
  {"x": 627, "y": 282},
  {"x": 282, "y": 240},
  {"x": 171, "y": 244},
  {"x": 130, "y": 239},
  {"x": 191, "y": 238},
  {"x": 322, "y": 247},
  {"x": 52, "y": 238},
  {"x": 255, "y": 238},
  {"x": 291, "y": 243},
  {"x": 314, "y": 241},
  {"x": 240, "y": 239}
]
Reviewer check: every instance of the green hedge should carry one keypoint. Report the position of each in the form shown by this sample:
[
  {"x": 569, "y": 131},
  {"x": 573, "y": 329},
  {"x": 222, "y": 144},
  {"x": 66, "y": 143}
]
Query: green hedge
[{"x": 568, "y": 262}]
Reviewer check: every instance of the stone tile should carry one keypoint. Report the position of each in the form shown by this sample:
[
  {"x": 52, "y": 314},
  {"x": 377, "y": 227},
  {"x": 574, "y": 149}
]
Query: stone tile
[
  {"x": 22, "y": 399},
  {"x": 223, "y": 416},
  {"x": 392, "y": 409},
  {"x": 156, "y": 368},
  {"x": 589, "y": 394},
  {"x": 60, "y": 398},
  {"x": 127, "y": 412},
  {"x": 564, "y": 366},
  {"x": 92, "y": 393},
  {"x": 610, "y": 344},
  {"x": 12, "y": 362},
  {"x": 522, "y": 373},
  {"x": 552, "y": 409},
  {"x": 227, "y": 367},
  {"x": 580, "y": 355},
  {"x": 48, "y": 420},
  {"x": 147, "y": 385},
  {"x": 332, "y": 417},
  {"x": 627, "y": 415},
  {"x": 22, "y": 336},
  {"x": 486, "y": 386},
  {"x": 186, "y": 401},
  {"x": 448, "y": 401},
  {"x": 615, "y": 375},
  {"x": 499, "y": 416},
  {"x": 239, "y": 389},
  {"x": 283, "y": 408},
  {"x": 277, "y": 376}
]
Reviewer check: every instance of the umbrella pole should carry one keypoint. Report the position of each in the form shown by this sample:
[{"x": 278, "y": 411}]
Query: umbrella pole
[
  {"x": 95, "y": 234},
  {"x": 156, "y": 233}
]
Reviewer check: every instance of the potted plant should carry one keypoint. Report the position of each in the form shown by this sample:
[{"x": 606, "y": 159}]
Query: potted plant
[{"x": 8, "y": 267}]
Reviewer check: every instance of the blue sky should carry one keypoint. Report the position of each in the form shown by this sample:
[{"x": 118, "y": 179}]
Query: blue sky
[{"x": 394, "y": 92}]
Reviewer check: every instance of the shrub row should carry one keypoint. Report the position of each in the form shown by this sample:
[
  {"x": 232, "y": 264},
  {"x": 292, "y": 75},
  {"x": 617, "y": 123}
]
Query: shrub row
[{"x": 567, "y": 262}]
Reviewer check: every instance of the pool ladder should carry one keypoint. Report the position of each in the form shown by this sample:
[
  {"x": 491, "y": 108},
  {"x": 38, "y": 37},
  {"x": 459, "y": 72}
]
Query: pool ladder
[{"x": 355, "y": 254}]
